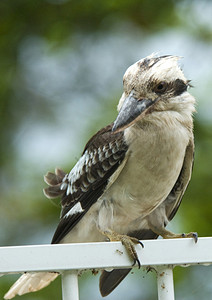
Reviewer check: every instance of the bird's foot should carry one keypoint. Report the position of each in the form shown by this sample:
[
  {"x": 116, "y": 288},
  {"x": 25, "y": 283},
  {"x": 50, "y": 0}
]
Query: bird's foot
[
  {"x": 128, "y": 242},
  {"x": 170, "y": 235}
]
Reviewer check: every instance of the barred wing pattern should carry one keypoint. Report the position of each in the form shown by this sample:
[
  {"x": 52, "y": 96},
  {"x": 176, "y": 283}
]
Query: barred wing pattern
[{"x": 87, "y": 180}]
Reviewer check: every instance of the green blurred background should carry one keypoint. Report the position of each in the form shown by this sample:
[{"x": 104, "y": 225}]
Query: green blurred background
[{"x": 61, "y": 68}]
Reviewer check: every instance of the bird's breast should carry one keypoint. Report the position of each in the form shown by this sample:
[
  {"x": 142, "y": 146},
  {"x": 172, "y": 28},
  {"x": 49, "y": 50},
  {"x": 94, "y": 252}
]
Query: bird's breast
[{"x": 155, "y": 159}]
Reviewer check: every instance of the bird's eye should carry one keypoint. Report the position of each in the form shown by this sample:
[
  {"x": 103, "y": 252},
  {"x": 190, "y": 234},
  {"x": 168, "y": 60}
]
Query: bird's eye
[{"x": 161, "y": 87}]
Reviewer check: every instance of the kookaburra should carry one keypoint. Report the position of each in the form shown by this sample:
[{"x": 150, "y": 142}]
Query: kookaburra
[{"x": 129, "y": 182}]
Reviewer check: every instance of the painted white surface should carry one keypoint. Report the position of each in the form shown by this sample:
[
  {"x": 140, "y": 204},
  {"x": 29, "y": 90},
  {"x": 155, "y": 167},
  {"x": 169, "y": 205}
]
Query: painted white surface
[
  {"x": 103, "y": 255},
  {"x": 165, "y": 283},
  {"x": 70, "y": 288},
  {"x": 162, "y": 255}
]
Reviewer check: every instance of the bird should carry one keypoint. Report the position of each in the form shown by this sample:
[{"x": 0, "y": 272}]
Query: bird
[{"x": 131, "y": 177}]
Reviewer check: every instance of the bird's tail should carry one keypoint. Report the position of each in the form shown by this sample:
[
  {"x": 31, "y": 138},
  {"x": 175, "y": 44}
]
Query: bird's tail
[
  {"x": 30, "y": 282},
  {"x": 54, "y": 180}
]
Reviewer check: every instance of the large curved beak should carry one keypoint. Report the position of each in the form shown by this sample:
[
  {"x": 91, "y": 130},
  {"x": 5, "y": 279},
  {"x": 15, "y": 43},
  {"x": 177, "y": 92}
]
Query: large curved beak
[{"x": 130, "y": 111}]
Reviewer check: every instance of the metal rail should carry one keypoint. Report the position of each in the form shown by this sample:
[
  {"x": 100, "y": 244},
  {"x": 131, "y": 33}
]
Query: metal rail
[{"x": 67, "y": 259}]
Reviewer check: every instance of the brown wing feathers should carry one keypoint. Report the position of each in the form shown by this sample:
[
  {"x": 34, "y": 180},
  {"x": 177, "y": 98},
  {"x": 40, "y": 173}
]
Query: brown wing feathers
[{"x": 87, "y": 180}]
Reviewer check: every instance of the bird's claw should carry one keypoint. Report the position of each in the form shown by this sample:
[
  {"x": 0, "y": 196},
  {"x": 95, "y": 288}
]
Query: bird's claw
[
  {"x": 128, "y": 242},
  {"x": 142, "y": 245},
  {"x": 193, "y": 235},
  {"x": 170, "y": 235}
]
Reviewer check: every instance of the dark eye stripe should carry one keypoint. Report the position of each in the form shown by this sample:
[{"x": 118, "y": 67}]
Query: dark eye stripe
[{"x": 179, "y": 86}]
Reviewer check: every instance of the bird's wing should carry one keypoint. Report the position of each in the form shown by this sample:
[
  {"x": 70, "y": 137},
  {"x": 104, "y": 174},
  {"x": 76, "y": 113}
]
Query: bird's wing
[
  {"x": 87, "y": 180},
  {"x": 174, "y": 199},
  {"x": 110, "y": 280}
]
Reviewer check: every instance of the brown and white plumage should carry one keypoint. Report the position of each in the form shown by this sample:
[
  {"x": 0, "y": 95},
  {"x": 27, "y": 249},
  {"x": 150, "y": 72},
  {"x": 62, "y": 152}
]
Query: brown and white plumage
[{"x": 133, "y": 173}]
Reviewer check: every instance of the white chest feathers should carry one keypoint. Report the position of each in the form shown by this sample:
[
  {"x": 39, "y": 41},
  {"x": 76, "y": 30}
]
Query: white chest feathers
[{"x": 154, "y": 161}]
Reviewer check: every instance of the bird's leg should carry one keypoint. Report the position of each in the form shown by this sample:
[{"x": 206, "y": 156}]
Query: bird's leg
[
  {"x": 166, "y": 234},
  {"x": 127, "y": 241}
]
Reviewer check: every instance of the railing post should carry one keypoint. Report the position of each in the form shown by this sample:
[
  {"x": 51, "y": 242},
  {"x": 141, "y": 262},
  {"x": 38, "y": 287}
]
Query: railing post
[
  {"x": 70, "y": 290},
  {"x": 165, "y": 283}
]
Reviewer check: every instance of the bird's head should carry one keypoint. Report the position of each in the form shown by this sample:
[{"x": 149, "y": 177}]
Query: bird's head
[{"x": 152, "y": 84}]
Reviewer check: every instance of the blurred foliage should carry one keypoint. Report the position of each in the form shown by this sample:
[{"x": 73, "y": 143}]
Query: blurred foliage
[
  {"x": 56, "y": 21},
  {"x": 25, "y": 214}
]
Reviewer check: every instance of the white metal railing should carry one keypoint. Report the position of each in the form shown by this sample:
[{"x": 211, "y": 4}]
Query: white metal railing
[{"x": 67, "y": 259}]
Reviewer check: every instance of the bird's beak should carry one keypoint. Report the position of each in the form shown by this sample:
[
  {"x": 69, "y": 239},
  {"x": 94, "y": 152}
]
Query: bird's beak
[{"x": 131, "y": 111}]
